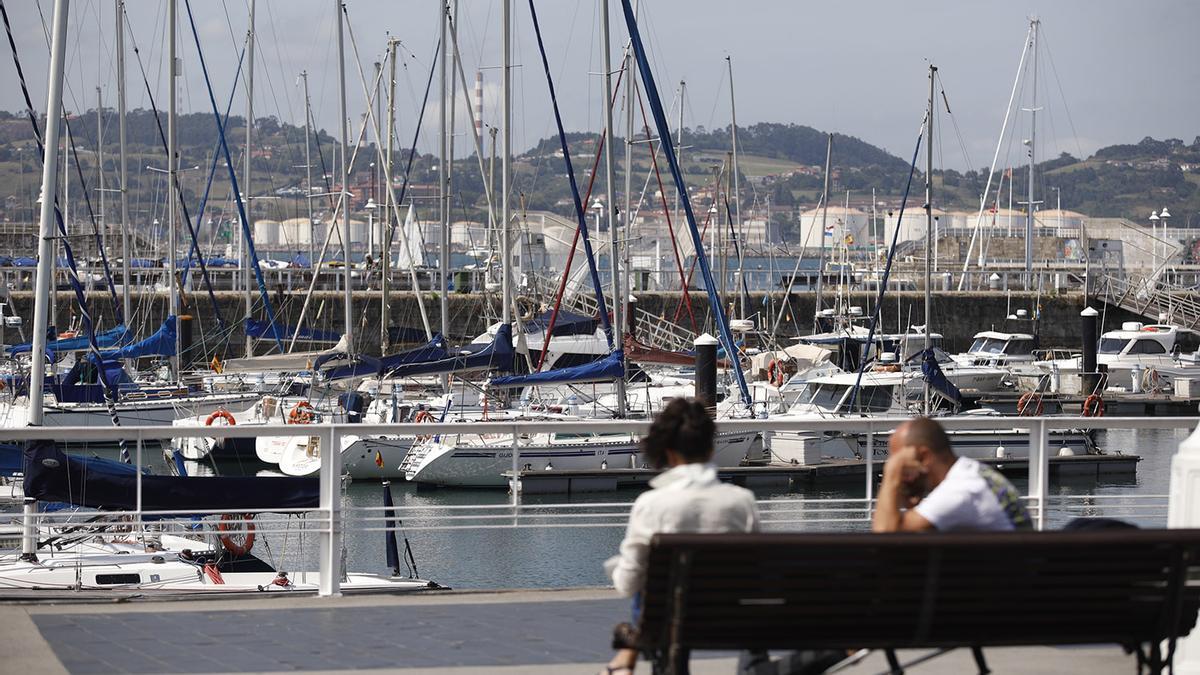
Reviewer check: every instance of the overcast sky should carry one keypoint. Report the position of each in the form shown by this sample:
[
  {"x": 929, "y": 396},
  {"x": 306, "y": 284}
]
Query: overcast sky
[{"x": 1109, "y": 71}]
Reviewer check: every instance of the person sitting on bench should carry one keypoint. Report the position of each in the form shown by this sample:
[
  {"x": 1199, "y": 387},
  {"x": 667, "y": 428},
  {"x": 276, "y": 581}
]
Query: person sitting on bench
[
  {"x": 926, "y": 487},
  {"x": 688, "y": 497}
]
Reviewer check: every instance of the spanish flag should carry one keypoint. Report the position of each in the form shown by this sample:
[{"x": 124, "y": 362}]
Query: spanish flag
[{"x": 378, "y": 459}]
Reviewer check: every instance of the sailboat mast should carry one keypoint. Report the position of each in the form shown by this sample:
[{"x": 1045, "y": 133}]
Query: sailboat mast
[
  {"x": 610, "y": 196},
  {"x": 247, "y": 192},
  {"x": 385, "y": 257},
  {"x": 630, "y": 95},
  {"x": 821, "y": 234},
  {"x": 929, "y": 223},
  {"x": 125, "y": 281},
  {"x": 451, "y": 13},
  {"x": 344, "y": 125},
  {"x": 679, "y": 153},
  {"x": 1032, "y": 159},
  {"x": 172, "y": 168},
  {"x": 308, "y": 173},
  {"x": 737, "y": 195},
  {"x": 41, "y": 309},
  {"x": 100, "y": 167},
  {"x": 443, "y": 157},
  {"x": 505, "y": 161}
]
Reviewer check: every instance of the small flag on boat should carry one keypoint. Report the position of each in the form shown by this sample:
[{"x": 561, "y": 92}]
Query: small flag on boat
[{"x": 378, "y": 459}]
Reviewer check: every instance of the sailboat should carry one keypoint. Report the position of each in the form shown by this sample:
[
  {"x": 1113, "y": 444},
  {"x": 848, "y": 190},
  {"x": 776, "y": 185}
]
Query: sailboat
[{"x": 101, "y": 554}]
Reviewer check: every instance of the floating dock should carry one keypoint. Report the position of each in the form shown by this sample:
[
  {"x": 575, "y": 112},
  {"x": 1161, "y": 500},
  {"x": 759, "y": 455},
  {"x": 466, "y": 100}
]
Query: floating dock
[{"x": 794, "y": 476}]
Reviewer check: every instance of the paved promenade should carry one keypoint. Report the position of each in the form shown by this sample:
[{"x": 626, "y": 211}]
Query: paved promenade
[{"x": 454, "y": 632}]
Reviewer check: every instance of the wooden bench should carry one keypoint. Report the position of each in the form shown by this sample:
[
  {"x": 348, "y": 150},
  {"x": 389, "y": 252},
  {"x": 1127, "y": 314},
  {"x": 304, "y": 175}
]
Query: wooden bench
[{"x": 941, "y": 591}]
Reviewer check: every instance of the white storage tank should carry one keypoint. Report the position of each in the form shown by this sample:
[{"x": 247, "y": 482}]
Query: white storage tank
[{"x": 266, "y": 232}]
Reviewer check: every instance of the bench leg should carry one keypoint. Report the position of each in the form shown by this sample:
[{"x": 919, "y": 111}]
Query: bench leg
[
  {"x": 980, "y": 662},
  {"x": 893, "y": 662}
]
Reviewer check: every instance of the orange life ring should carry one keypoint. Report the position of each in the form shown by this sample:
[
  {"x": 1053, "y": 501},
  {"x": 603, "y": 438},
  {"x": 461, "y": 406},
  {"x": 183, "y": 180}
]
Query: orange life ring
[
  {"x": 237, "y": 543},
  {"x": 422, "y": 417},
  {"x": 775, "y": 373},
  {"x": 302, "y": 413},
  {"x": 1025, "y": 407},
  {"x": 220, "y": 414},
  {"x": 1093, "y": 406}
]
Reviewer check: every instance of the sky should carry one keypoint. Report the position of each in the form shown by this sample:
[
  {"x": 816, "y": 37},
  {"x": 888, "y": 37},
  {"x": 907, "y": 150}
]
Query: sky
[{"x": 1108, "y": 71}]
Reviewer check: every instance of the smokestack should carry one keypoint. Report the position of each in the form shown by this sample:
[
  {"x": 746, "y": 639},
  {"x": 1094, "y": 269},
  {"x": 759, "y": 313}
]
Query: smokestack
[{"x": 479, "y": 104}]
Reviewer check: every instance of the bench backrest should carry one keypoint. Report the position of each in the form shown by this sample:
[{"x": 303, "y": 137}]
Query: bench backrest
[{"x": 738, "y": 591}]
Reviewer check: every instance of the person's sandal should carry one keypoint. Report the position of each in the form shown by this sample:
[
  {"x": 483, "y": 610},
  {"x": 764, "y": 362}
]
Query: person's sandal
[
  {"x": 617, "y": 670},
  {"x": 624, "y": 636}
]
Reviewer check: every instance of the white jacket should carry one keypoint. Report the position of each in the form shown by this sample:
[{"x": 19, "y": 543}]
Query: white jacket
[{"x": 688, "y": 498}]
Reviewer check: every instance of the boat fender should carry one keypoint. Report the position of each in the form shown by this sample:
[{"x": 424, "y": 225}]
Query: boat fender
[
  {"x": 237, "y": 543},
  {"x": 1093, "y": 406}
]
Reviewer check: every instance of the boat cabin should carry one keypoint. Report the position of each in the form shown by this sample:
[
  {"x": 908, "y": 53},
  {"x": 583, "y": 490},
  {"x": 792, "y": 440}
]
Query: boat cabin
[
  {"x": 1135, "y": 340},
  {"x": 995, "y": 348}
]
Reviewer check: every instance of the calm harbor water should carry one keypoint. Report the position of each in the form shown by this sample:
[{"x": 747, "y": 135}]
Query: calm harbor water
[{"x": 570, "y": 551}]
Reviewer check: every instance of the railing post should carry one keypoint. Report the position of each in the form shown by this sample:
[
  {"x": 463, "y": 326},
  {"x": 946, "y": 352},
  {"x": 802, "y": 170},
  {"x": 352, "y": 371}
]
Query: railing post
[
  {"x": 330, "y": 548},
  {"x": 1039, "y": 471},
  {"x": 1183, "y": 510},
  {"x": 870, "y": 468},
  {"x": 516, "y": 473}
]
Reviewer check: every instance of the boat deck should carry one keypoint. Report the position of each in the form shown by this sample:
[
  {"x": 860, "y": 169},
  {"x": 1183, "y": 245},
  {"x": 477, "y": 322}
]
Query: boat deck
[
  {"x": 777, "y": 475},
  {"x": 560, "y": 631}
]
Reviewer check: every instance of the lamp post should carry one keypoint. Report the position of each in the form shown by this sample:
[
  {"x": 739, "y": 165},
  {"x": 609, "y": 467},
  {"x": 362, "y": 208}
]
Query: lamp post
[
  {"x": 1163, "y": 216},
  {"x": 1058, "y": 207},
  {"x": 371, "y": 207},
  {"x": 1154, "y": 234}
]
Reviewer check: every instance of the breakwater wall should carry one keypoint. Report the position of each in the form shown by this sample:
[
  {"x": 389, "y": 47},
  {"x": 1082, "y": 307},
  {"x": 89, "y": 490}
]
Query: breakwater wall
[{"x": 956, "y": 315}]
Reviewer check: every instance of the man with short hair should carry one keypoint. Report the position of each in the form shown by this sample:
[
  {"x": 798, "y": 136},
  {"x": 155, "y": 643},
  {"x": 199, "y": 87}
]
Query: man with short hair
[{"x": 926, "y": 487}]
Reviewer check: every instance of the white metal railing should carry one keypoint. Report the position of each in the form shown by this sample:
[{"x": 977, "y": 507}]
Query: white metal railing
[{"x": 331, "y": 520}]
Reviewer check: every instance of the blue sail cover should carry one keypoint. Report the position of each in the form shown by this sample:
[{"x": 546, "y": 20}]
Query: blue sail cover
[
  {"x": 262, "y": 330},
  {"x": 610, "y": 367},
  {"x": 937, "y": 379},
  {"x": 365, "y": 366},
  {"x": 113, "y": 337},
  {"x": 51, "y": 475},
  {"x": 496, "y": 356},
  {"x": 161, "y": 343},
  {"x": 566, "y": 323}
]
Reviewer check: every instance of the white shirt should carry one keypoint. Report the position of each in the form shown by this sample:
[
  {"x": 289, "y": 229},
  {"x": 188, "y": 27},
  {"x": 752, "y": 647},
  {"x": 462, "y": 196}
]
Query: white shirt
[
  {"x": 688, "y": 498},
  {"x": 973, "y": 497}
]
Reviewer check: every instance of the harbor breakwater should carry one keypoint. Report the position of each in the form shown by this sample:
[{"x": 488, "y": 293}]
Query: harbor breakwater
[{"x": 956, "y": 315}]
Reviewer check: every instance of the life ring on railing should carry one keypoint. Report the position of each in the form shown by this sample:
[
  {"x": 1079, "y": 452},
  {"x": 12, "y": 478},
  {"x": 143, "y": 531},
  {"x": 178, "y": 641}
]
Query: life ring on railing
[
  {"x": 422, "y": 417},
  {"x": 220, "y": 414},
  {"x": 1093, "y": 406},
  {"x": 775, "y": 372},
  {"x": 1025, "y": 407},
  {"x": 302, "y": 413},
  {"x": 238, "y": 538}
]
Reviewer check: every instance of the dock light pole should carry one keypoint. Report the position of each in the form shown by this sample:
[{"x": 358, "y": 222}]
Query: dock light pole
[
  {"x": 1163, "y": 216},
  {"x": 1154, "y": 235}
]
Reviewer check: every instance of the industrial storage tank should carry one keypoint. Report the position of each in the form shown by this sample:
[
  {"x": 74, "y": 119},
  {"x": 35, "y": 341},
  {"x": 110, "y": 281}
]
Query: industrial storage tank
[
  {"x": 295, "y": 232},
  {"x": 842, "y": 225},
  {"x": 266, "y": 233}
]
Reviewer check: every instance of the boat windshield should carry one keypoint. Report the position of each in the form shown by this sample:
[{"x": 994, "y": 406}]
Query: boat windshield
[
  {"x": 1019, "y": 347},
  {"x": 826, "y": 396},
  {"x": 1110, "y": 345},
  {"x": 987, "y": 346},
  {"x": 873, "y": 399}
]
